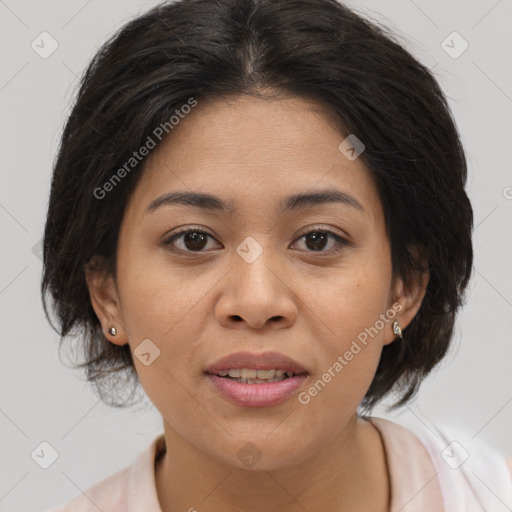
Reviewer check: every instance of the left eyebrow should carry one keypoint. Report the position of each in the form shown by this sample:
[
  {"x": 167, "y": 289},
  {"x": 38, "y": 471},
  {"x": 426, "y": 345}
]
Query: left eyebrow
[{"x": 289, "y": 204}]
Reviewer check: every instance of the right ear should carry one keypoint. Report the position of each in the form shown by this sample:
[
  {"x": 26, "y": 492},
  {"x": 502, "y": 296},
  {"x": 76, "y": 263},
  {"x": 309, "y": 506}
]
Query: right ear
[{"x": 104, "y": 299}]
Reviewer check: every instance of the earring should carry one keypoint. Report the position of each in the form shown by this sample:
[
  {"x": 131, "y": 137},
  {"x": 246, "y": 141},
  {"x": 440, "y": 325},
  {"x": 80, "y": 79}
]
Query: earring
[
  {"x": 397, "y": 330},
  {"x": 112, "y": 331}
]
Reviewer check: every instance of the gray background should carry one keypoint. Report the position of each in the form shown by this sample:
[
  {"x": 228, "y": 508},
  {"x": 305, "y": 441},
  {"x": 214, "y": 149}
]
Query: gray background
[{"x": 42, "y": 400}]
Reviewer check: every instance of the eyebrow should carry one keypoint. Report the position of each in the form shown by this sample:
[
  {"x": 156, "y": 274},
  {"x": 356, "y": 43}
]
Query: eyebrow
[{"x": 288, "y": 205}]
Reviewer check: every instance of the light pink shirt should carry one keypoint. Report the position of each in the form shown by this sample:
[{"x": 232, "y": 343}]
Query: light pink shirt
[{"x": 421, "y": 479}]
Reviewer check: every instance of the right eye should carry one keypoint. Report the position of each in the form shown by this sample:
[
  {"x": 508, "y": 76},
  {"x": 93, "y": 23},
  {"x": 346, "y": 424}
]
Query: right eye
[{"x": 192, "y": 240}]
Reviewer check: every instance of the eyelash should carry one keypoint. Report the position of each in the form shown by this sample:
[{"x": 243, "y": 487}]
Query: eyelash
[{"x": 167, "y": 243}]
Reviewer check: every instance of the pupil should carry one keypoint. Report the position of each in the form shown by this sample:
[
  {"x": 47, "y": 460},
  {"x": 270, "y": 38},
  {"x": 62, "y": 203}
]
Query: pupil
[
  {"x": 318, "y": 238},
  {"x": 195, "y": 238}
]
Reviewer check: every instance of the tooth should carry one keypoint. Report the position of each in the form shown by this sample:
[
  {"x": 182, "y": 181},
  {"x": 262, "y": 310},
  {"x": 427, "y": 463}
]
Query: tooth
[
  {"x": 279, "y": 373},
  {"x": 223, "y": 373},
  {"x": 290, "y": 374},
  {"x": 258, "y": 381},
  {"x": 245, "y": 381},
  {"x": 234, "y": 373},
  {"x": 248, "y": 374},
  {"x": 266, "y": 374}
]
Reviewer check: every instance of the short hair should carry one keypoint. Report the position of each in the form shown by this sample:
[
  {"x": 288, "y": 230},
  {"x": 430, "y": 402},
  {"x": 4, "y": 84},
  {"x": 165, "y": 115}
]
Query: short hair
[{"x": 313, "y": 49}]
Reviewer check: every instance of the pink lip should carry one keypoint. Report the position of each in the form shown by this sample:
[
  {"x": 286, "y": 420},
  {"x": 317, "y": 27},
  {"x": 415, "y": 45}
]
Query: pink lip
[
  {"x": 257, "y": 395},
  {"x": 262, "y": 394},
  {"x": 261, "y": 361}
]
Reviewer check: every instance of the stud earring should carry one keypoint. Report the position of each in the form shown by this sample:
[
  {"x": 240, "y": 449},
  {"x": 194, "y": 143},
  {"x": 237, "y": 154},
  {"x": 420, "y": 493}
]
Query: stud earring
[
  {"x": 112, "y": 331},
  {"x": 397, "y": 330}
]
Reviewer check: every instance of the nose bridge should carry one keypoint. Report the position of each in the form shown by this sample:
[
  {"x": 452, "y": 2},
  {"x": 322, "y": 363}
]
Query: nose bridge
[
  {"x": 258, "y": 291},
  {"x": 253, "y": 264}
]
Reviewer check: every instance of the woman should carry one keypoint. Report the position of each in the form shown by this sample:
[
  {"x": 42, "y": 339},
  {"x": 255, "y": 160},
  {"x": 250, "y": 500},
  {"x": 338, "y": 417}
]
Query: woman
[{"x": 258, "y": 212}]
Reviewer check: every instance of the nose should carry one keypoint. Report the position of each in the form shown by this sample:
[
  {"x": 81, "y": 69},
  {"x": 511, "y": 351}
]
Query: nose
[{"x": 257, "y": 295}]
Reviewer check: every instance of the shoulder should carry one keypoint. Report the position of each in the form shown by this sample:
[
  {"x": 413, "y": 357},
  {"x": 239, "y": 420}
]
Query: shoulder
[
  {"x": 470, "y": 472},
  {"x": 130, "y": 489},
  {"x": 109, "y": 495},
  {"x": 410, "y": 469}
]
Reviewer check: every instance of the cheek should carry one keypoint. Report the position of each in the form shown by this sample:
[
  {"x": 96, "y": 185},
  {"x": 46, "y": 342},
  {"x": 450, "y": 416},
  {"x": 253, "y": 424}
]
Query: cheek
[
  {"x": 158, "y": 300},
  {"x": 348, "y": 352},
  {"x": 164, "y": 317},
  {"x": 351, "y": 300},
  {"x": 355, "y": 316}
]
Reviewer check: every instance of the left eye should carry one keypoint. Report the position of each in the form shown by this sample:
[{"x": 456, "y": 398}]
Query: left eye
[
  {"x": 317, "y": 239},
  {"x": 195, "y": 240}
]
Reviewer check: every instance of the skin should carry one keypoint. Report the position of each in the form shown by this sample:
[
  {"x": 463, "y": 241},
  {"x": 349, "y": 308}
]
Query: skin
[{"x": 199, "y": 306}]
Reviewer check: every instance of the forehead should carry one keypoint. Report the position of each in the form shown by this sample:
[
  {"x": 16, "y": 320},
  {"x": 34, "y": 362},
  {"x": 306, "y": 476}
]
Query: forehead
[{"x": 253, "y": 152}]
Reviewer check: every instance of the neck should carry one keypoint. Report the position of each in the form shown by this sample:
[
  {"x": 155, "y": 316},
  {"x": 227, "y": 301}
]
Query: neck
[{"x": 349, "y": 473}]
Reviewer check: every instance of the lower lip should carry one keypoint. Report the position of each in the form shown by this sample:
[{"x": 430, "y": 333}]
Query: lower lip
[{"x": 257, "y": 395}]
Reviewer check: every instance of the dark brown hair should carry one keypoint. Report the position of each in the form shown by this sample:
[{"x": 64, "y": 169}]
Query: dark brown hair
[{"x": 316, "y": 49}]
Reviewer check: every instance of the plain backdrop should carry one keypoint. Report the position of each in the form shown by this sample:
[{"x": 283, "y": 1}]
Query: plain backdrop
[{"x": 43, "y": 401}]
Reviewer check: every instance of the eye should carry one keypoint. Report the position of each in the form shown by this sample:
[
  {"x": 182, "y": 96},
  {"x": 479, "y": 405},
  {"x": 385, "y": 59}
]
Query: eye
[
  {"x": 317, "y": 239},
  {"x": 193, "y": 239},
  {"x": 196, "y": 240}
]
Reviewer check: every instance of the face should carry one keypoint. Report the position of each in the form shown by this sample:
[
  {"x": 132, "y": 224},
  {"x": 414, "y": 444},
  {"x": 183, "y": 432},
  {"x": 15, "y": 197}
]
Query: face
[{"x": 308, "y": 282}]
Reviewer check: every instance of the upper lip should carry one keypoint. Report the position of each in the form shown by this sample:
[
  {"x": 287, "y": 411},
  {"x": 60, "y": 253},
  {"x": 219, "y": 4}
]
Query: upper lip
[{"x": 256, "y": 361}]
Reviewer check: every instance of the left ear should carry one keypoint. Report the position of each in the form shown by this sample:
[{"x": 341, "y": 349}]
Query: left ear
[{"x": 407, "y": 299}]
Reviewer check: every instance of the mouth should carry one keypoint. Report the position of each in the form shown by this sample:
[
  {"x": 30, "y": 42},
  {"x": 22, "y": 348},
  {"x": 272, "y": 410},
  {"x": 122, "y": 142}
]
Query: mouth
[
  {"x": 256, "y": 380},
  {"x": 254, "y": 376}
]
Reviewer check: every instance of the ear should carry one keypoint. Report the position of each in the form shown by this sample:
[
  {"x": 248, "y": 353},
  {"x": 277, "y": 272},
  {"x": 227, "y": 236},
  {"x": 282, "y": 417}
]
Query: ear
[
  {"x": 104, "y": 299},
  {"x": 407, "y": 300}
]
